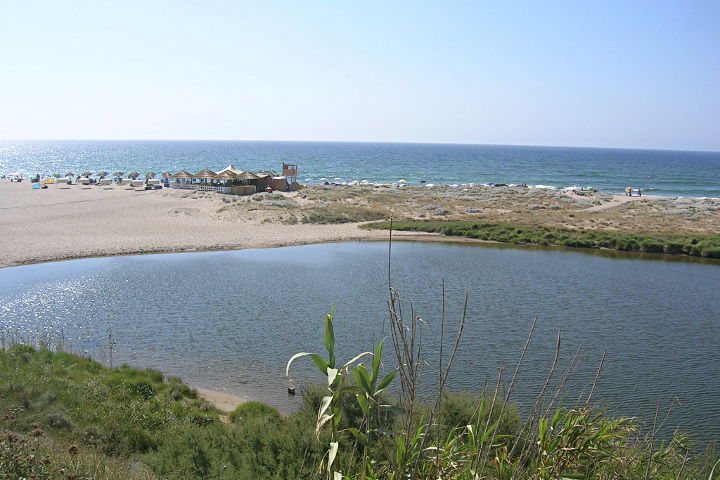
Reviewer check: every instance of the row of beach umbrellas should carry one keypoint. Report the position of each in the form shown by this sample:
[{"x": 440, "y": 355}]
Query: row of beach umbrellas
[
  {"x": 206, "y": 174},
  {"x": 116, "y": 174}
]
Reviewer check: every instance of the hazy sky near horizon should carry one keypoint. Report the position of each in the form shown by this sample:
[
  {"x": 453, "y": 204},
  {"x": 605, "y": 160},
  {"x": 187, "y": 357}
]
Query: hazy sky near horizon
[{"x": 635, "y": 74}]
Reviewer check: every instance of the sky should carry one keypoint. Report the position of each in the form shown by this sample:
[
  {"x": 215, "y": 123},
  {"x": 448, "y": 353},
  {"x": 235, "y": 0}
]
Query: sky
[{"x": 618, "y": 74}]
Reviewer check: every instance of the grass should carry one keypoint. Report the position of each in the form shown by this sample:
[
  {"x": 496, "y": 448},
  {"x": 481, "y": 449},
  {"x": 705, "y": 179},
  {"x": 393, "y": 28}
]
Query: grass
[
  {"x": 64, "y": 416},
  {"x": 706, "y": 246}
]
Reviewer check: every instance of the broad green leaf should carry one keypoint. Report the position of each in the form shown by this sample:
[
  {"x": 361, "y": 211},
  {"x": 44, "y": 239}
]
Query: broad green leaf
[
  {"x": 359, "y": 435},
  {"x": 363, "y": 379},
  {"x": 362, "y": 401},
  {"x": 386, "y": 381},
  {"x": 356, "y": 358},
  {"x": 319, "y": 361},
  {"x": 400, "y": 449},
  {"x": 330, "y": 338},
  {"x": 376, "y": 363}
]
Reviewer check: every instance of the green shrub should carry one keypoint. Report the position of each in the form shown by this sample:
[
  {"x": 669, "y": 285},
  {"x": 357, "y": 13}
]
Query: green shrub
[{"x": 254, "y": 410}]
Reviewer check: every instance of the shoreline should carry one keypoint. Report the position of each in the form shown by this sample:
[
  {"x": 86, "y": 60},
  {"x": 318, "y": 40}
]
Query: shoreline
[
  {"x": 75, "y": 222},
  {"x": 224, "y": 402}
]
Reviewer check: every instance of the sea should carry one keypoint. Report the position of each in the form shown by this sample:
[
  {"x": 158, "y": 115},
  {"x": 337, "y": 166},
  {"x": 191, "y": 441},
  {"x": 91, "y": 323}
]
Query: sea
[{"x": 656, "y": 172}]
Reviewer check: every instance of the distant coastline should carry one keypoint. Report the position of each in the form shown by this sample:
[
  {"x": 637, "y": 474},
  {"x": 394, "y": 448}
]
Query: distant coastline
[{"x": 668, "y": 173}]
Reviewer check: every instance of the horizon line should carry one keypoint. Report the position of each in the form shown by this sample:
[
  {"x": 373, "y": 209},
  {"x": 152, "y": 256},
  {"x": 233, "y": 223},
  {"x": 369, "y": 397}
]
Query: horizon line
[{"x": 350, "y": 141}]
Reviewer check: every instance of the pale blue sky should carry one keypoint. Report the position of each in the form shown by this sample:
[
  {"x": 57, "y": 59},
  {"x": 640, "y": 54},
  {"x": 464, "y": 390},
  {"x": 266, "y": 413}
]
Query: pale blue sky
[{"x": 606, "y": 74}]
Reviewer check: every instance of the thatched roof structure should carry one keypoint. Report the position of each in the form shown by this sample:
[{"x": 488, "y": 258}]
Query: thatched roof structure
[
  {"x": 182, "y": 174},
  {"x": 225, "y": 175},
  {"x": 205, "y": 174},
  {"x": 247, "y": 176}
]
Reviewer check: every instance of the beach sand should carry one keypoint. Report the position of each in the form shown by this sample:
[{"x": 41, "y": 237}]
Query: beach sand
[
  {"x": 76, "y": 221},
  {"x": 68, "y": 222},
  {"x": 224, "y": 402}
]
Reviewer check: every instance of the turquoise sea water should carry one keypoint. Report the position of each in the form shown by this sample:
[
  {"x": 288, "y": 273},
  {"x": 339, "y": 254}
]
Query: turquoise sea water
[{"x": 664, "y": 173}]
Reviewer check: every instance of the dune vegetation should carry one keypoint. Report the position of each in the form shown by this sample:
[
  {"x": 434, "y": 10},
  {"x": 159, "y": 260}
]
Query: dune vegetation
[
  {"x": 706, "y": 246},
  {"x": 68, "y": 417}
]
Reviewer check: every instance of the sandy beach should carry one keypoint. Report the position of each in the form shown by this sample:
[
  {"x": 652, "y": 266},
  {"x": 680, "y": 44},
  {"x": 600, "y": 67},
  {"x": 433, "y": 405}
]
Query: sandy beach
[
  {"x": 68, "y": 222},
  {"x": 80, "y": 221}
]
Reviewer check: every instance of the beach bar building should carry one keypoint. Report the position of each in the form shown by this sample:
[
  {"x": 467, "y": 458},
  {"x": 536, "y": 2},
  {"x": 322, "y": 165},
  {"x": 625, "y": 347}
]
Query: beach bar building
[{"x": 228, "y": 180}]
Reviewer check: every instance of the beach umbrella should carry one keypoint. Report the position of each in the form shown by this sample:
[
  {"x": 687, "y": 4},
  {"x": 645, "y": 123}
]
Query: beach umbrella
[
  {"x": 402, "y": 180},
  {"x": 150, "y": 175},
  {"x": 225, "y": 175},
  {"x": 56, "y": 175},
  {"x": 103, "y": 174},
  {"x": 182, "y": 174},
  {"x": 86, "y": 174},
  {"x": 69, "y": 174},
  {"x": 118, "y": 174},
  {"x": 247, "y": 176},
  {"x": 205, "y": 174},
  {"x": 133, "y": 175},
  {"x": 166, "y": 175}
]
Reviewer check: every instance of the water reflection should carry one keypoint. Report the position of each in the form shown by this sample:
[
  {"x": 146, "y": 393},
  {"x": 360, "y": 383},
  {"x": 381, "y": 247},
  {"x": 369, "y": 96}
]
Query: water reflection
[{"x": 231, "y": 320}]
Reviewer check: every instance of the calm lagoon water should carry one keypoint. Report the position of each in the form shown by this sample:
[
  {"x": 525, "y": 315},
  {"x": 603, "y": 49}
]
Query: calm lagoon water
[{"x": 229, "y": 321}]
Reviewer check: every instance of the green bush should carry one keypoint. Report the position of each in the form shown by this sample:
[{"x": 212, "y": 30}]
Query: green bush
[{"x": 253, "y": 411}]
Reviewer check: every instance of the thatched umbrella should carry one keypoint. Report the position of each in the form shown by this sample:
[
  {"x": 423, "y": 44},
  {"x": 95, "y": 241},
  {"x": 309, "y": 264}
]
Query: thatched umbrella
[
  {"x": 182, "y": 174},
  {"x": 247, "y": 176},
  {"x": 133, "y": 175},
  {"x": 166, "y": 174},
  {"x": 206, "y": 174},
  {"x": 149, "y": 175},
  {"x": 69, "y": 174},
  {"x": 86, "y": 174},
  {"x": 103, "y": 174},
  {"x": 225, "y": 175},
  {"x": 118, "y": 174}
]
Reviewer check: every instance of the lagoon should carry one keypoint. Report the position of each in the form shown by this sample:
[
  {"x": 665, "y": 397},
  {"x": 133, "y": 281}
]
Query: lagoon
[{"x": 229, "y": 321}]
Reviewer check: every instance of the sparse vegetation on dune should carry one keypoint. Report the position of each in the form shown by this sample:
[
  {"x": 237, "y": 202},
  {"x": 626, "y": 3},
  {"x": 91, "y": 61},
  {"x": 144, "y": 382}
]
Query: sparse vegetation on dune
[
  {"x": 706, "y": 246},
  {"x": 641, "y": 218}
]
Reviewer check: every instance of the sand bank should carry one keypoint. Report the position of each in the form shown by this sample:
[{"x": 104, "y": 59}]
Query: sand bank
[
  {"x": 67, "y": 222},
  {"x": 224, "y": 402},
  {"x": 76, "y": 221}
]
